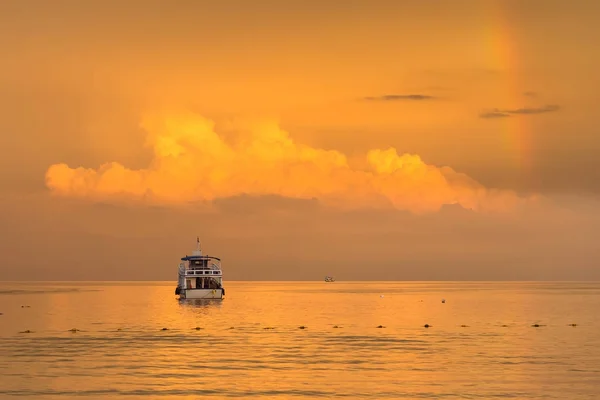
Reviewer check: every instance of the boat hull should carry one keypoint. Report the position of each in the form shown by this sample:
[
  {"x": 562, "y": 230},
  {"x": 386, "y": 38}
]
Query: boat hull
[{"x": 201, "y": 294}]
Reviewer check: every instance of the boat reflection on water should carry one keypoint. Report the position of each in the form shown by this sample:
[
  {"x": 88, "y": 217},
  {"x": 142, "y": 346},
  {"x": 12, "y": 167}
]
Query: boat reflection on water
[
  {"x": 202, "y": 311},
  {"x": 200, "y": 303}
]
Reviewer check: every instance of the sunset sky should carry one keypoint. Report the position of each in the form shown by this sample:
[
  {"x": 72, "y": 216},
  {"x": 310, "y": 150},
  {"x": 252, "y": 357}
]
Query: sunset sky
[{"x": 362, "y": 139}]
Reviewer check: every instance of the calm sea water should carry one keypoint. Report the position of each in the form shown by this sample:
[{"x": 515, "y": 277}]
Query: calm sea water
[{"x": 121, "y": 349}]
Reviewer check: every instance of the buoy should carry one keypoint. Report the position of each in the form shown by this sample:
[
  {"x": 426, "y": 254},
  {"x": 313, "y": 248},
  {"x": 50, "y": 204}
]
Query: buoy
[
  {"x": 302, "y": 327},
  {"x": 164, "y": 329},
  {"x": 443, "y": 300},
  {"x": 427, "y": 326},
  {"x": 380, "y": 326},
  {"x": 197, "y": 328}
]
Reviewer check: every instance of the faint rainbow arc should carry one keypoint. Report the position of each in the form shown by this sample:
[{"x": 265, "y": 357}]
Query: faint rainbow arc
[{"x": 505, "y": 56}]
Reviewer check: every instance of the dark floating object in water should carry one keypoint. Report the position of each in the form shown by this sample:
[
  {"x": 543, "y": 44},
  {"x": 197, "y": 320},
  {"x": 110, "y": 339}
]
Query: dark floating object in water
[
  {"x": 1, "y": 313},
  {"x": 302, "y": 327},
  {"x": 336, "y": 326},
  {"x": 270, "y": 327},
  {"x": 231, "y": 327},
  {"x": 118, "y": 329},
  {"x": 573, "y": 325},
  {"x": 380, "y": 326},
  {"x": 27, "y": 331},
  {"x": 74, "y": 330},
  {"x": 537, "y": 325},
  {"x": 25, "y": 306},
  {"x": 464, "y": 326},
  {"x": 443, "y": 300},
  {"x": 164, "y": 329},
  {"x": 427, "y": 326},
  {"x": 197, "y": 328}
]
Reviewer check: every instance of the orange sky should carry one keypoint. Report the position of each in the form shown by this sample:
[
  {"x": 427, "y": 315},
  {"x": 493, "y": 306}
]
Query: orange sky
[{"x": 360, "y": 129}]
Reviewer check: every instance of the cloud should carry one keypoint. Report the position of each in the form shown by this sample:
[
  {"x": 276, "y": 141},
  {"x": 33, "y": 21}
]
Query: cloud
[
  {"x": 193, "y": 164},
  {"x": 400, "y": 97},
  {"x": 498, "y": 113},
  {"x": 493, "y": 114},
  {"x": 533, "y": 110}
]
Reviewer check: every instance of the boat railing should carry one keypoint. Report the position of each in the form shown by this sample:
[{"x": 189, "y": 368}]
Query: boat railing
[
  {"x": 203, "y": 272},
  {"x": 211, "y": 267}
]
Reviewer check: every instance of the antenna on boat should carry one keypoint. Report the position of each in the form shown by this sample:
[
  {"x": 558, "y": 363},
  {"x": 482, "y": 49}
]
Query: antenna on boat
[{"x": 197, "y": 252}]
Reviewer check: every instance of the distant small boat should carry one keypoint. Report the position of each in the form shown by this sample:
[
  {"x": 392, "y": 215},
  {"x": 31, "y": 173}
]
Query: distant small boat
[
  {"x": 200, "y": 277},
  {"x": 329, "y": 279}
]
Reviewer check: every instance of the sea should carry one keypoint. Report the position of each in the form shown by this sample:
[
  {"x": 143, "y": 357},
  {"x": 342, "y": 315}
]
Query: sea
[{"x": 290, "y": 340}]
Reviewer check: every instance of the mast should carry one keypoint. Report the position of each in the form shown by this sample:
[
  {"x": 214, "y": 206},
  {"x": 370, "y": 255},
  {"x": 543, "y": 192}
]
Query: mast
[{"x": 197, "y": 252}]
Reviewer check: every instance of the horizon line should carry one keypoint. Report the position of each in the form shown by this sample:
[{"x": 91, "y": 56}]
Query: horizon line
[{"x": 317, "y": 281}]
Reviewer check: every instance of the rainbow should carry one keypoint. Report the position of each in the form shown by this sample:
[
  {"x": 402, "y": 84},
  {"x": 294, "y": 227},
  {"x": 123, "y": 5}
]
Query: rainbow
[{"x": 503, "y": 54}]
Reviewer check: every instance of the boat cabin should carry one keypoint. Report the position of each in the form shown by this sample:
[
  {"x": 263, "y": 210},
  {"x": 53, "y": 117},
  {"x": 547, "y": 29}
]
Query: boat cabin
[{"x": 202, "y": 272}]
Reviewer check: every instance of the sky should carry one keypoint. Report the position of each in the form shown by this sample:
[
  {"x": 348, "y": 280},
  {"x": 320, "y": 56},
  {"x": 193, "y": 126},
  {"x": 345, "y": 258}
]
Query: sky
[{"x": 369, "y": 140}]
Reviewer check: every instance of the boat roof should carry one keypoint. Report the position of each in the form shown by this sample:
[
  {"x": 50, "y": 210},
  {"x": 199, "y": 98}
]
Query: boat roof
[{"x": 193, "y": 258}]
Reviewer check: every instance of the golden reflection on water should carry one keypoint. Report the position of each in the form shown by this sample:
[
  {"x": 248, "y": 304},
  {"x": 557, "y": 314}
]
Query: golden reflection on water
[{"x": 251, "y": 344}]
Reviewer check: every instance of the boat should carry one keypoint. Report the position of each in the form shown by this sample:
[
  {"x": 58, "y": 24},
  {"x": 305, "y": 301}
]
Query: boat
[
  {"x": 200, "y": 276},
  {"x": 329, "y": 279}
]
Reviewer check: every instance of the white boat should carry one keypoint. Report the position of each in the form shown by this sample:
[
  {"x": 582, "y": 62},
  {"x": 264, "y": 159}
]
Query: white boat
[
  {"x": 200, "y": 277},
  {"x": 329, "y": 279}
]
